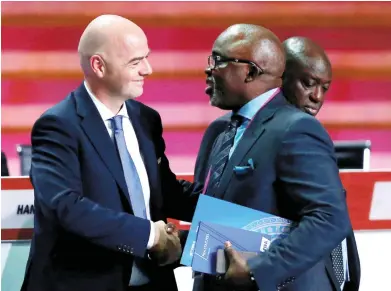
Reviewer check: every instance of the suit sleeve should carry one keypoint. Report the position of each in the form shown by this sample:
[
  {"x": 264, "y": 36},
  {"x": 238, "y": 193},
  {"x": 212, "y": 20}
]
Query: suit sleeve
[
  {"x": 308, "y": 173},
  {"x": 58, "y": 187},
  {"x": 179, "y": 196}
]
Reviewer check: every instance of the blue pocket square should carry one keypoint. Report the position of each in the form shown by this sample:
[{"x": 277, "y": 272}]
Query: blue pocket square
[{"x": 243, "y": 170}]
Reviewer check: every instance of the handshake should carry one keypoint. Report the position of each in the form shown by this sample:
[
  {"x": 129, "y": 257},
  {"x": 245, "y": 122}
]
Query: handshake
[{"x": 167, "y": 247}]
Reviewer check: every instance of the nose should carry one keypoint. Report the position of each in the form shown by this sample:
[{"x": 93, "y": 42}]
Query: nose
[
  {"x": 317, "y": 94},
  {"x": 146, "y": 68},
  {"x": 208, "y": 71}
]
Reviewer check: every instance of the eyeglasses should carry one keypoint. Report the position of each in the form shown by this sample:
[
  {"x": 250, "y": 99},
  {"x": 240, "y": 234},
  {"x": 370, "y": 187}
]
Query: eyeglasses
[{"x": 215, "y": 61}]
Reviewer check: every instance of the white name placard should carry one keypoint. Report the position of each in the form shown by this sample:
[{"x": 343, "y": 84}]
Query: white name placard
[{"x": 17, "y": 209}]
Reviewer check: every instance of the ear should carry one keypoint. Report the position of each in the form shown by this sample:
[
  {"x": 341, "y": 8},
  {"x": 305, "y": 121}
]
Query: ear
[
  {"x": 98, "y": 65},
  {"x": 253, "y": 72}
]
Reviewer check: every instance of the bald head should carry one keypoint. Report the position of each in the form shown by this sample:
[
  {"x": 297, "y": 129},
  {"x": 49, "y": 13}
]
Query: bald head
[
  {"x": 256, "y": 43},
  {"x": 107, "y": 35},
  {"x": 307, "y": 75},
  {"x": 248, "y": 60},
  {"x": 113, "y": 55},
  {"x": 305, "y": 52}
]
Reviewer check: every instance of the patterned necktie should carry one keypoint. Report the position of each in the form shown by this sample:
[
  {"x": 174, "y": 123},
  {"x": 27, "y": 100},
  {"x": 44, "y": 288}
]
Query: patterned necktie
[
  {"x": 220, "y": 160},
  {"x": 135, "y": 190},
  {"x": 337, "y": 259}
]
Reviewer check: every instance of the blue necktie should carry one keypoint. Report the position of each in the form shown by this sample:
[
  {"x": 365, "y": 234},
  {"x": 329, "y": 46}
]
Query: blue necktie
[
  {"x": 135, "y": 192},
  {"x": 131, "y": 176}
]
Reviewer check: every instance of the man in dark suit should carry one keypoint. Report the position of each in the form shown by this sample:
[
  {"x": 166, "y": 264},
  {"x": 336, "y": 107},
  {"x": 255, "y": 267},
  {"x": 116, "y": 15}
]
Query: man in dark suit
[
  {"x": 4, "y": 166},
  {"x": 98, "y": 163},
  {"x": 294, "y": 173},
  {"x": 306, "y": 80}
]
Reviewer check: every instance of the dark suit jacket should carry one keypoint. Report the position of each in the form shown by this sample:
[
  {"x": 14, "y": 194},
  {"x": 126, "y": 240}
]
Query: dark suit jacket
[
  {"x": 85, "y": 236},
  {"x": 4, "y": 166},
  {"x": 296, "y": 177},
  {"x": 354, "y": 264}
]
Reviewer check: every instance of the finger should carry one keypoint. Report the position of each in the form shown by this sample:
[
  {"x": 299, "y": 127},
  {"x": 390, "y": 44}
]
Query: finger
[
  {"x": 171, "y": 228},
  {"x": 229, "y": 251}
]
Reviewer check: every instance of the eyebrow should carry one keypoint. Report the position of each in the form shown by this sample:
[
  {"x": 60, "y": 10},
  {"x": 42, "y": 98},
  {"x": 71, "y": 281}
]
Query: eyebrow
[
  {"x": 216, "y": 53},
  {"x": 319, "y": 80},
  {"x": 315, "y": 78},
  {"x": 139, "y": 58}
]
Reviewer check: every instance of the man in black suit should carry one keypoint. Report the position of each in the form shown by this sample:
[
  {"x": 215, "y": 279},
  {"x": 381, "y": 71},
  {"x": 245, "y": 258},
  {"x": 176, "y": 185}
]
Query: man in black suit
[
  {"x": 102, "y": 182},
  {"x": 293, "y": 173},
  {"x": 4, "y": 166},
  {"x": 306, "y": 80}
]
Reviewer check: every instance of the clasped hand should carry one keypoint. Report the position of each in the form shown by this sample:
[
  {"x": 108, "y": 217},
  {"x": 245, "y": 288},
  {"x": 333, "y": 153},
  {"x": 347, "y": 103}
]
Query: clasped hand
[{"x": 167, "y": 247}]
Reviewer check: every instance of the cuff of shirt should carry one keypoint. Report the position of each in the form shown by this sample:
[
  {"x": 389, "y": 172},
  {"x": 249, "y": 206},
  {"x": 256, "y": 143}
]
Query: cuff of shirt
[{"x": 151, "y": 236}]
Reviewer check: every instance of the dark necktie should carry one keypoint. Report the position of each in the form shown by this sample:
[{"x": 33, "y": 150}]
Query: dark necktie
[
  {"x": 220, "y": 160},
  {"x": 337, "y": 259},
  {"x": 135, "y": 190}
]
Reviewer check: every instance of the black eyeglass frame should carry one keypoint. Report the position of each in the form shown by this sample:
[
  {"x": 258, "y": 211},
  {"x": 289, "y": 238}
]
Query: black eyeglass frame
[{"x": 219, "y": 59}]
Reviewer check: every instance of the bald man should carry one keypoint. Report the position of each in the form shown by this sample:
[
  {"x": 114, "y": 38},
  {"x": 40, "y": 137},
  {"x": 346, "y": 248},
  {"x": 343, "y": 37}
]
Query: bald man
[
  {"x": 97, "y": 165},
  {"x": 307, "y": 75},
  {"x": 289, "y": 162},
  {"x": 306, "y": 80}
]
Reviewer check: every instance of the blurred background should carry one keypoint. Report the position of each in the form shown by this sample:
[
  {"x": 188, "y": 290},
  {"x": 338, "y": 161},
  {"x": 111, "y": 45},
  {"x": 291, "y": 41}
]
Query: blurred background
[{"x": 40, "y": 64}]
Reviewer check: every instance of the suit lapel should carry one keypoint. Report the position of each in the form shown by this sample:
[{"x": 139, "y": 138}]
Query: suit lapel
[
  {"x": 96, "y": 132},
  {"x": 250, "y": 137}
]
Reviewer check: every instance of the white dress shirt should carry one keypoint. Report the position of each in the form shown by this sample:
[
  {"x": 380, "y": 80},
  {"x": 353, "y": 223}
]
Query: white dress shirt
[{"x": 133, "y": 149}]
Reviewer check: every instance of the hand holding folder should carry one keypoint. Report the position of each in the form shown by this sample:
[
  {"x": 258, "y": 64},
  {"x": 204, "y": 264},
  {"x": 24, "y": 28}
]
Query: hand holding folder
[
  {"x": 224, "y": 213},
  {"x": 211, "y": 238},
  {"x": 222, "y": 260}
]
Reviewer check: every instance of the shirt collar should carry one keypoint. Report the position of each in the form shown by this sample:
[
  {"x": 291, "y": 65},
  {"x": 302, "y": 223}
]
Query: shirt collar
[
  {"x": 251, "y": 108},
  {"x": 105, "y": 112}
]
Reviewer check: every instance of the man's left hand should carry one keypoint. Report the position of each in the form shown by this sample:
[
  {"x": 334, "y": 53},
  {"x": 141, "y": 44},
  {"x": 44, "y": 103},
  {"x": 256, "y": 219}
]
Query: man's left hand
[{"x": 238, "y": 273}]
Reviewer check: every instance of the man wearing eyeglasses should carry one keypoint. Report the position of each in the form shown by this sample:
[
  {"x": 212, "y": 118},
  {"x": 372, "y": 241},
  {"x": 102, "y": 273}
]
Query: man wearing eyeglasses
[
  {"x": 306, "y": 80},
  {"x": 292, "y": 171}
]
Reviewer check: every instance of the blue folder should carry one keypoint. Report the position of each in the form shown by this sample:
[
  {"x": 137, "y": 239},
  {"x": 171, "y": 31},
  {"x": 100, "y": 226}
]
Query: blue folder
[
  {"x": 211, "y": 237},
  {"x": 210, "y": 209}
]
